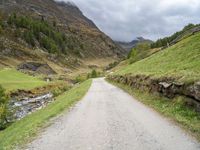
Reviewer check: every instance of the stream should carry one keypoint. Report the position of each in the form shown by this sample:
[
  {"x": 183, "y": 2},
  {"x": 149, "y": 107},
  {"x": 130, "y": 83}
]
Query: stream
[{"x": 25, "y": 106}]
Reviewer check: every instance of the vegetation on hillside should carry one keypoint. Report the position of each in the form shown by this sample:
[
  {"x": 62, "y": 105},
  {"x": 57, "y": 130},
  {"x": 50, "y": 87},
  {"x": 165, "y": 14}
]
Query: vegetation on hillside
[
  {"x": 167, "y": 40},
  {"x": 112, "y": 65},
  {"x": 39, "y": 31},
  {"x": 1, "y": 23},
  {"x": 140, "y": 51},
  {"x": 82, "y": 77},
  {"x": 22, "y": 131},
  {"x": 3, "y": 108},
  {"x": 179, "y": 61},
  {"x": 94, "y": 74}
]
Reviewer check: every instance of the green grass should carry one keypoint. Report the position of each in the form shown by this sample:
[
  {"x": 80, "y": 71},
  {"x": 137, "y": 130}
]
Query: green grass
[
  {"x": 21, "y": 131},
  {"x": 12, "y": 79},
  {"x": 181, "y": 61},
  {"x": 175, "y": 108},
  {"x": 139, "y": 52}
]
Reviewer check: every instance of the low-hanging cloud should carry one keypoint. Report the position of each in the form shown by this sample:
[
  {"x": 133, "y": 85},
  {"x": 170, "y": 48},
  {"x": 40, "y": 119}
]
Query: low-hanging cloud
[{"x": 124, "y": 20}]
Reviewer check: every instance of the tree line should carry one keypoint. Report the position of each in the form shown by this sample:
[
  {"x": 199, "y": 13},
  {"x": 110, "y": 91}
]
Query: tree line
[
  {"x": 167, "y": 40},
  {"x": 47, "y": 34},
  {"x": 39, "y": 30}
]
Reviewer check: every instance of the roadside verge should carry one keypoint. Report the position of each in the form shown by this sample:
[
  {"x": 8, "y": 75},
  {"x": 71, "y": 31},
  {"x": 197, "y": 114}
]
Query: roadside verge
[
  {"x": 175, "y": 109},
  {"x": 22, "y": 131}
]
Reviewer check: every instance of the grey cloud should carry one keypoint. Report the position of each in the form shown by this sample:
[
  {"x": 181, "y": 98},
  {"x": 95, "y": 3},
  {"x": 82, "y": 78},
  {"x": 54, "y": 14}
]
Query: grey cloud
[{"x": 126, "y": 19}]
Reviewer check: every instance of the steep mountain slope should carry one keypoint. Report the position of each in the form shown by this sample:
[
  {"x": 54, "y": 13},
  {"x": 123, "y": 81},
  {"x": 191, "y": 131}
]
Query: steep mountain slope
[
  {"x": 53, "y": 33},
  {"x": 129, "y": 45}
]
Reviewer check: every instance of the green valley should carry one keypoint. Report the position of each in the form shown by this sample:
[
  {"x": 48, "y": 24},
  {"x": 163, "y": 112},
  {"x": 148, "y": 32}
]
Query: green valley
[
  {"x": 65, "y": 84},
  {"x": 12, "y": 79}
]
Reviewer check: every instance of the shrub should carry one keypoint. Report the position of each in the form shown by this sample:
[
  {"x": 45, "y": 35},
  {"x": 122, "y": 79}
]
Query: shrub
[
  {"x": 3, "y": 108},
  {"x": 49, "y": 44},
  {"x": 1, "y": 23},
  {"x": 29, "y": 38},
  {"x": 94, "y": 74},
  {"x": 59, "y": 90},
  {"x": 17, "y": 33},
  {"x": 112, "y": 65},
  {"x": 80, "y": 78},
  {"x": 1, "y": 29}
]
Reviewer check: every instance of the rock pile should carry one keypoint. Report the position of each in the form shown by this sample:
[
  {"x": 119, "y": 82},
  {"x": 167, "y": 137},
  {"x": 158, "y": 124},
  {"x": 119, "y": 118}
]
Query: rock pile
[
  {"x": 23, "y": 107},
  {"x": 36, "y": 67}
]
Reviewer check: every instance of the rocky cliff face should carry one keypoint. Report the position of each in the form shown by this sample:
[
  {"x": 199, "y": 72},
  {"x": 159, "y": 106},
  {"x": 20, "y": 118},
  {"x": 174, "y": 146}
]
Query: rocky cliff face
[{"x": 83, "y": 39}]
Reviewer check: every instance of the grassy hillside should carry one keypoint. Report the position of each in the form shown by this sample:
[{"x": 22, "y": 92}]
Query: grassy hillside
[
  {"x": 180, "y": 61},
  {"x": 12, "y": 79},
  {"x": 141, "y": 51},
  {"x": 21, "y": 131}
]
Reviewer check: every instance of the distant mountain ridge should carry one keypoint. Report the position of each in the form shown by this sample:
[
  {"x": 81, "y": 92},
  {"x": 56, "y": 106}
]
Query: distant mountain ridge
[{"x": 129, "y": 45}]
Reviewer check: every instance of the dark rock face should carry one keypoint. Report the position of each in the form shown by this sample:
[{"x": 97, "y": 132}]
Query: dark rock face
[
  {"x": 167, "y": 87},
  {"x": 194, "y": 90},
  {"x": 36, "y": 67},
  {"x": 197, "y": 90}
]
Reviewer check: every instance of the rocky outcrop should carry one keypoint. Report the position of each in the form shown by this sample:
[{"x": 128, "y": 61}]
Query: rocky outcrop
[
  {"x": 27, "y": 105},
  {"x": 25, "y": 102},
  {"x": 168, "y": 87},
  {"x": 36, "y": 67}
]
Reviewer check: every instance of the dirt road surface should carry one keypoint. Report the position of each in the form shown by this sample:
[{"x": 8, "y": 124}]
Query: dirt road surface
[{"x": 107, "y": 118}]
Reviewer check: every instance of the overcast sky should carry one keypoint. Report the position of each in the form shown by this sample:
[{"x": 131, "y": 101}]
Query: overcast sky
[{"x": 126, "y": 19}]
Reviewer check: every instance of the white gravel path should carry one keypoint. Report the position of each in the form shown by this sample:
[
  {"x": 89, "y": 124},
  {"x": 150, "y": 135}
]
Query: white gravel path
[{"x": 107, "y": 118}]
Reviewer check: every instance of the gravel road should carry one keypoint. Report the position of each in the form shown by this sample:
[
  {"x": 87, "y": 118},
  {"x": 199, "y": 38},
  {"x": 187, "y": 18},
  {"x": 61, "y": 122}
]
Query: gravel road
[{"x": 107, "y": 118}]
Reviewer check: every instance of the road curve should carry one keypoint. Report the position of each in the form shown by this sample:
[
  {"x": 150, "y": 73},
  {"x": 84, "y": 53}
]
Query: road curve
[{"x": 107, "y": 118}]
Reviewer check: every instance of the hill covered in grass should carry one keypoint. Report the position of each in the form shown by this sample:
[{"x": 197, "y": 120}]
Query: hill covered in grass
[
  {"x": 180, "y": 61},
  {"x": 12, "y": 79},
  {"x": 141, "y": 51}
]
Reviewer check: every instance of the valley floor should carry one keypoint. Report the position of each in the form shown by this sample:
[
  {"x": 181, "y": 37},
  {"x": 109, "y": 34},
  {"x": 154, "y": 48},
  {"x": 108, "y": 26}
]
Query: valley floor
[{"x": 108, "y": 118}]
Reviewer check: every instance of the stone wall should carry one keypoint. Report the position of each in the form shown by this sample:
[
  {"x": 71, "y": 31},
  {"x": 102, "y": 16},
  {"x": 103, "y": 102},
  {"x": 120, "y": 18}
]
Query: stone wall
[{"x": 168, "y": 87}]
